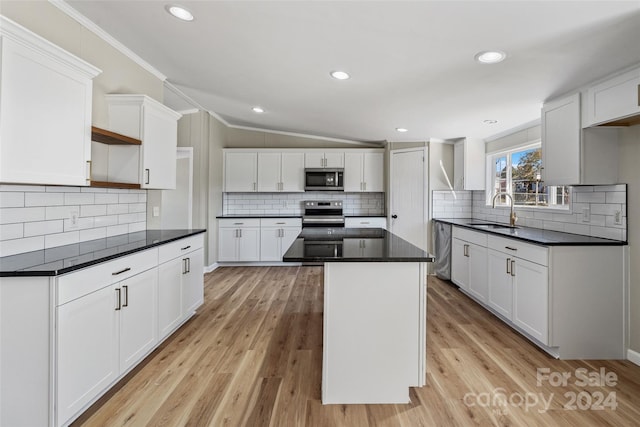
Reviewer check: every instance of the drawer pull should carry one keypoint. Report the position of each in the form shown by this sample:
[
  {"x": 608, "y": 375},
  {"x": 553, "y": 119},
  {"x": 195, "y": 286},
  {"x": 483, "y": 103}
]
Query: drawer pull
[
  {"x": 124, "y": 270},
  {"x": 126, "y": 296},
  {"x": 365, "y": 222},
  {"x": 280, "y": 223},
  {"x": 510, "y": 248},
  {"x": 185, "y": 248},
  {"x": 238, "y": 223},
  {"x": 119, "y": 305}
]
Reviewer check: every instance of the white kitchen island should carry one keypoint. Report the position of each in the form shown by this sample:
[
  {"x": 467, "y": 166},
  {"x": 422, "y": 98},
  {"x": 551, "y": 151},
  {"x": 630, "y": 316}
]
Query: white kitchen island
[{"x": 374, "y": 335}]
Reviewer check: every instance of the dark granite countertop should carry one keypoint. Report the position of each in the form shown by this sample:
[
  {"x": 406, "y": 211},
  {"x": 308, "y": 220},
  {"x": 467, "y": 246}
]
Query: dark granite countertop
[
  {"x": 531, "y": 235},
  {"x": 352, "y": 245},
  {"x": 364, "y": 216},
  {"x": 64, "y": 259}
]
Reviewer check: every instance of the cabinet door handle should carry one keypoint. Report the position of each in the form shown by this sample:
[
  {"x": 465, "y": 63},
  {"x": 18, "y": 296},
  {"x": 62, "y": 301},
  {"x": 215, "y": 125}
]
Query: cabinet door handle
[
  {"x": 119, "y": 305},
  {"x": 254, "y": 186},
  {"x": 185, "y": 248},
  {"x": 89, "y": 170},
  {"x": 124, "y": 270},
  {"x": 188, "y": 265},
  {"x": 508, "y": 264},
  {"x": 638, "y": 95},
  {"x": 513, "y": 267},
  {"x": 148, "y": 172},
  {"x": 510, "y": 248},
  {"x": 365, "y": 186},
  {"x": 466, "y": 250},
  {"x": 126, "y": 296},
  {"x": 240, "y": 232}
]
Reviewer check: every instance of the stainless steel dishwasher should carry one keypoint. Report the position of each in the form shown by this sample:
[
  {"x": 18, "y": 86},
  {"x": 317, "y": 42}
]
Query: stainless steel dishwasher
[{"x": 442, "y": 240}]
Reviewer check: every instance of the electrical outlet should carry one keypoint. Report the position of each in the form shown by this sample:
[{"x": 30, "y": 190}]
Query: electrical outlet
[
  {"x": 617, "y": 218},
  {"x": 73, "y": 219},
  {"x": 586, "y": 215},
  {"x": 156, "y": 211}
]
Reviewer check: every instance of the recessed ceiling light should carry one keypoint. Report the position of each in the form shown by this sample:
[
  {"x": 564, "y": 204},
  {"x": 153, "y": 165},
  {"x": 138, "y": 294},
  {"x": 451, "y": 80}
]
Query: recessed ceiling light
[
  {"x": 258, "y": 109},
  {"x": 490, "y": 57},
  {"x": 179, "y": 12},
  {"x": 340, "y": 75},
  {"x": 490, "y": 122},
  {"x": 402, "y": 130}
]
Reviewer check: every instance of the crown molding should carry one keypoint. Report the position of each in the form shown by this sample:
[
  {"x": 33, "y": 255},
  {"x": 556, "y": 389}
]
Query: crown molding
[{"x": 94, "y": 28}]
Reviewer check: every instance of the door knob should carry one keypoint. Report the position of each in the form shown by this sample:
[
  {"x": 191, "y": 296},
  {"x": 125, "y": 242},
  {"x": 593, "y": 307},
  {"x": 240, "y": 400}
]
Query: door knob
[{"x": 394, "y": 216}]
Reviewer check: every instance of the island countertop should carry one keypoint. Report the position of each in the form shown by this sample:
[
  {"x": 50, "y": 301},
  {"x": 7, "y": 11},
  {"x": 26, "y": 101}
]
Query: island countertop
[
  {"x": 352, "y": 245},
  {"x": 64, "y": 259}
]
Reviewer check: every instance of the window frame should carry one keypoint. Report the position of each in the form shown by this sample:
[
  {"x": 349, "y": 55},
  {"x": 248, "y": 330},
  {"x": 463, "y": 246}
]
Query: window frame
[{"x": 490, "y": 179}]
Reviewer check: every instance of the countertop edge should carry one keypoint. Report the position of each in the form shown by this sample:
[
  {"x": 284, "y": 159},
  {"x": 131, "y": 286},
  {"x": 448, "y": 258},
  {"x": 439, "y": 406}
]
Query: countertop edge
[
  {"x": 603, "y": 242},
  {"x": 65, "y": 270}
]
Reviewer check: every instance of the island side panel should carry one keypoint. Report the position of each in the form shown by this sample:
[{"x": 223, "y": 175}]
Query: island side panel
[{"x": 373, "y": 321}]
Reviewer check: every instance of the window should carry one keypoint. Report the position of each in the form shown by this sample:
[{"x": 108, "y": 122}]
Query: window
[{"x": 517, "y": 173}]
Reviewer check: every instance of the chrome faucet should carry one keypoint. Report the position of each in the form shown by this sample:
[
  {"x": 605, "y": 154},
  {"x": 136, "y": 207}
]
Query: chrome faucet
[{"x": 512, "y": 217}]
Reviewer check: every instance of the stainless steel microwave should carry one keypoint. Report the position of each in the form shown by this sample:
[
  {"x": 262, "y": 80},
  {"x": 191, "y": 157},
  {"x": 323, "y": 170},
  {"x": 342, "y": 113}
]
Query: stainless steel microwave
[{"x": 324, "y": 179}]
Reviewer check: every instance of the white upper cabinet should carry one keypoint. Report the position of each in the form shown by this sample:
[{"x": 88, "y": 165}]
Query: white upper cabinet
[
  {"x": 615, "y": 101},
  {"x": 156, "y": 125},
  {"x": 364, "y": 171},
  {"x": 280, "y": 171},
  {"x": 240, "y": 171},
  {"x": 324, "y": 159},
  {"x": 469, "y": 165},
  {"x": 561, "y": 141},
  {"x": 45, "y": 110}
]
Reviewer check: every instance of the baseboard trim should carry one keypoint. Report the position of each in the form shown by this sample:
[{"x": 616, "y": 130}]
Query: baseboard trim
[
  {"x": 210, "y": 268},
  {"x": 633, "y": 356}
]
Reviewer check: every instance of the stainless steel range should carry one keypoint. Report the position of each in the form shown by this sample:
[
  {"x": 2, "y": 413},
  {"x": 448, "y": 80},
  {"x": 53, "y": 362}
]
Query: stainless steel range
[{"x": 323, "y": 213}]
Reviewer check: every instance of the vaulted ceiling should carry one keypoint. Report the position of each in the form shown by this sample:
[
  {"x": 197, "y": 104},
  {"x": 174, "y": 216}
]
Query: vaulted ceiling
[{"x": 411, "y": 63}]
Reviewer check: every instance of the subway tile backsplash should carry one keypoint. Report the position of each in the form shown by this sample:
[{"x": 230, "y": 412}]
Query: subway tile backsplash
[
  {"x": 291, "y": 203},
  {"x": 39, "y": 217},
  {"x": 603, "y": 202}
]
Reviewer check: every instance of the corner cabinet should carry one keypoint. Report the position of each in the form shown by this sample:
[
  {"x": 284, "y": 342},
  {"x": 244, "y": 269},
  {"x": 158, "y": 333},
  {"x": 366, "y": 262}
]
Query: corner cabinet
[
  {"x": 153, "y": 166},
  {"x": 572, "y": 155},
  {"x": 364, "y": 171},
  {"x": 45, "y": 111}
]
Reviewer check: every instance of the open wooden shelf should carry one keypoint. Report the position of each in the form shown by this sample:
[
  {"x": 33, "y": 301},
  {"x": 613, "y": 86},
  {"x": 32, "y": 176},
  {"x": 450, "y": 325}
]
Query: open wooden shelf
[
  {"x": 108, "y": 184},
  {"x": 107, "y": 137}
]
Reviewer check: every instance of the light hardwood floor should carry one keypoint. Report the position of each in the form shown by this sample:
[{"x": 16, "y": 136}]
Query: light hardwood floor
[{"x": 253, "y": 356}]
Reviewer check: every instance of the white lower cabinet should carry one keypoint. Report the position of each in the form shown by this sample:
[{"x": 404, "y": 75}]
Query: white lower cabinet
[
  {"x": 239, "y": 240},
  {"x": 256, "y": 239},
  {"x": 111, "y": 315},
  {"x": 103, "y": 328},
  {"x": 180, "y": 283},
  {"x": 366, "y": 222},
  {"x": 276, "y": 235},
  {"x": 469, "y": 262},
  {"x": 519, "y": 285}
]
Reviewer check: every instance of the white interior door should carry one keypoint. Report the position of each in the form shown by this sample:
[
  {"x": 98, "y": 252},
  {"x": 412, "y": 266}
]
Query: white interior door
[
  {"x": 177, "y": 205},
  {"x": 408, "y": 200}
]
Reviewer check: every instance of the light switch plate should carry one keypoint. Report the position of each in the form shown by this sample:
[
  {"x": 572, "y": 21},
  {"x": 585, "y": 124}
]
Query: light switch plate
[
  {"x": 586, "y": 215},
  {"x": 156, "y": 211},
  {"x": 617, "y": 218},
  {"x": 73, "y": 219}
]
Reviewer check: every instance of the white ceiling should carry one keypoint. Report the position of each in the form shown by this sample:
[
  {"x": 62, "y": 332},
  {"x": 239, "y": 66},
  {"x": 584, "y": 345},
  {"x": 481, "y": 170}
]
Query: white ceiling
[{"x": 411, "y": 63}]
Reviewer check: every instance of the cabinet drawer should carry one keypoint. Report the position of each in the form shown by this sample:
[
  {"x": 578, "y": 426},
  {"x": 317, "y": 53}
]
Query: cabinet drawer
[
  {"x": 477, "y": 237},
  {"x": 281, "y": 222},
  {"x": 366, "y": 222},
  {"x": 90, "y": 279},
  {"x": 179, "y": 247},
  {"x": 238, "y": 222},
  {"x": 519, "y": 249}
]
